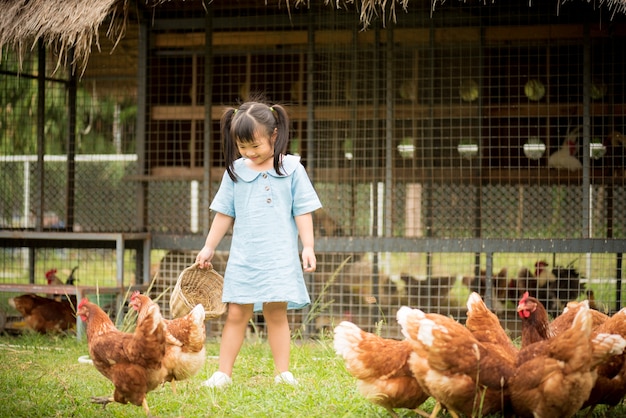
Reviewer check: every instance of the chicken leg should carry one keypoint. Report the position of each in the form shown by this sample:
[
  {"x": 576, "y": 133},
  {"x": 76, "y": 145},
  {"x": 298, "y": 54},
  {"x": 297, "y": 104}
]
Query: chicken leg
[
  {"x": 102, "y": 400},
  {"x": 105, "y": 400},
  {"x": 438, "y": 408}
]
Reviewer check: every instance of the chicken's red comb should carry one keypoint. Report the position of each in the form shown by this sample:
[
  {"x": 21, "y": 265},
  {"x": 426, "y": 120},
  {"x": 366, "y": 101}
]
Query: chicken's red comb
[
  {"x": 50, "y": 273},
  {"x": 134, "y": 295},
  {"x": 521, "y": 306},
  {"x": 83, "y": 302}
]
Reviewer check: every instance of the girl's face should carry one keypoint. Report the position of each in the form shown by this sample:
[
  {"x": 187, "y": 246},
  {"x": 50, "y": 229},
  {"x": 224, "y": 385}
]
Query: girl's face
[{"x": 260, "y": 151}]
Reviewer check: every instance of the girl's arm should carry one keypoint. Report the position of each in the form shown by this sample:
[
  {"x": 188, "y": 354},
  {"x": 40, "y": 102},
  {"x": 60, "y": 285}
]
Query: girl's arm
[
  {"x": 305, "y": 230},
  {"x": 221, "y": 224}
]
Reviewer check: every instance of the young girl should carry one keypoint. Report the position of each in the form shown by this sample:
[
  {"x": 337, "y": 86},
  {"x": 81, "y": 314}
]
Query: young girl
[{"x": 268, "y": 198}]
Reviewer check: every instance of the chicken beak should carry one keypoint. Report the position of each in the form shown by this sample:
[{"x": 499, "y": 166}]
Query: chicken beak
[{"x": 522, "y": 311}]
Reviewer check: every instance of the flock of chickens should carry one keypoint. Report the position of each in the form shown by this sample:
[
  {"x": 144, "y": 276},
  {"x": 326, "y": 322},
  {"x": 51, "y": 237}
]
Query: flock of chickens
[
  {"x": 574, "y": 362},
  {"x": 554, "y": 287},
  {"x": 157, "y": 351},
  {"x": 565, "y": 365}
]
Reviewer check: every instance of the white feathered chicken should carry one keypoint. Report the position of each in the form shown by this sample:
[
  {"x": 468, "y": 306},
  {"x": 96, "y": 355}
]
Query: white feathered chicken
[{"x": 565, "y": 157}]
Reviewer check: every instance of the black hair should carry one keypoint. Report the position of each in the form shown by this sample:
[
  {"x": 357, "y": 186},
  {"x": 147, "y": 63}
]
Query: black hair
[{"x": 240, "y": 124}]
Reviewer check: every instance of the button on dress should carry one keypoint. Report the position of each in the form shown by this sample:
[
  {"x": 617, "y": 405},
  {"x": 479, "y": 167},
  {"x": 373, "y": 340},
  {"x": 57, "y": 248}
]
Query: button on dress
[{"x": 264, "y": 263}]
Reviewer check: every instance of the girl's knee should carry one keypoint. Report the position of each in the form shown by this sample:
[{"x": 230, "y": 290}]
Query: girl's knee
[
  {"x": 275, "y": 309},
  {"x": 239, "y": 313},
  {"x": 275, "y": 313}
]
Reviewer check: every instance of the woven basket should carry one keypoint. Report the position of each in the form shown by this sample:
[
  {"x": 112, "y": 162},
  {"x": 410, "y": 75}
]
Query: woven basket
[{"x": 198, "y": 285}]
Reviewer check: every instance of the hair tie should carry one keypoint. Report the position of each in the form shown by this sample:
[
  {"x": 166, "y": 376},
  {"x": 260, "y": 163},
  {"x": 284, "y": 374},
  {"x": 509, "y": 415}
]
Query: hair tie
[
  {"x": 272, "y": 108},
  {"x": 235, "y": 111}
]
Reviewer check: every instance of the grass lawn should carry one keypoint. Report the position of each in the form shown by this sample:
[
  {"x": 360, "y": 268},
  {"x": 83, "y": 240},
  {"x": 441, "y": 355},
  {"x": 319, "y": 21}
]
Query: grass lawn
[{"x": 40, "y": 376}]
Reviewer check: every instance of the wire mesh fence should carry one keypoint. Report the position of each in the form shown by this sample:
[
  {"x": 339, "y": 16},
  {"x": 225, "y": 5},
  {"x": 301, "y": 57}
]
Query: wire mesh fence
[
  {"x": 491, "y": 122},
  {"x": 368, "y": 288},
  {"x": 425, "y": 130}
]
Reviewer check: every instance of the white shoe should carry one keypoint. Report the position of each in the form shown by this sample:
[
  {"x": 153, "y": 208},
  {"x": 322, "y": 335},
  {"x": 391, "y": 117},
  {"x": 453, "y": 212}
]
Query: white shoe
[
  {"x": 218, "y": 380},
  {"x": 286, "y": 377}
]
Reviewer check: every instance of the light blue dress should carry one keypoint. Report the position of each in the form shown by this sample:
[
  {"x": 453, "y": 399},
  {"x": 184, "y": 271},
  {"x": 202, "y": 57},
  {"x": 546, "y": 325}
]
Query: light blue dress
[{"x": 264, "y": 262}]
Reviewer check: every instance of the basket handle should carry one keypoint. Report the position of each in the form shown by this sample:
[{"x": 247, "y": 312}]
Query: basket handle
[{"x": 197, "y": 265}]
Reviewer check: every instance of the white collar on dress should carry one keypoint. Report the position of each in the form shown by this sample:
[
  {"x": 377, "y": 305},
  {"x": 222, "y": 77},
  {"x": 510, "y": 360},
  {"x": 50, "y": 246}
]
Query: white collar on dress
[{"x": 245, "y": 173}]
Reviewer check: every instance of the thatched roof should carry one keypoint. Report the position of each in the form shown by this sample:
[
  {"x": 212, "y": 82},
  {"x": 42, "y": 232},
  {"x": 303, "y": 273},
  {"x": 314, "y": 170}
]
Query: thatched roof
[
  {"x": 62, "y": 25},
  {"x": 74, "y": 25}
]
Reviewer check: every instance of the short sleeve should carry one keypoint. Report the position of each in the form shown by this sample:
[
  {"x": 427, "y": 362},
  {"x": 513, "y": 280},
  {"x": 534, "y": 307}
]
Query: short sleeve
[
  {"x": 305, "y": 199},
  {"x": 224, "y": 200}
]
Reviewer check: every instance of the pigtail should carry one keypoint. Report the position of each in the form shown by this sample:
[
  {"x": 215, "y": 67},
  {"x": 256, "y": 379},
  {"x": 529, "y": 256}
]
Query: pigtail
[
  {"x": 282, "y": 138},
  {"x": 229, "y": 147}
]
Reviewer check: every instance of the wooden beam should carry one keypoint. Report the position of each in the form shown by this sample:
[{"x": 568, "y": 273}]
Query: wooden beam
[
  {"x": 405, "y": 112},
  {"x": 401, "y": 36},
  {"x": 535, "y": 32}
]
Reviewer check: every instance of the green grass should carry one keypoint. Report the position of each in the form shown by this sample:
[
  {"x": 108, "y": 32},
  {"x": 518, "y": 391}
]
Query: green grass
[{"x": 41, "y": 377}]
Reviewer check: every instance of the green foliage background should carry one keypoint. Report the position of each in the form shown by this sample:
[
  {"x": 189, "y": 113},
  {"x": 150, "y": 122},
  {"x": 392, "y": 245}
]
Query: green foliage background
[{"x": 94, "y": 120}]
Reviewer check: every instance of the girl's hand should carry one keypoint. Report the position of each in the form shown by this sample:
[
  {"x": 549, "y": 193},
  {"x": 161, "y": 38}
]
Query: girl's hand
[
  {"x": 204, "y": 257},
  {"x": 309, "y": 263}
]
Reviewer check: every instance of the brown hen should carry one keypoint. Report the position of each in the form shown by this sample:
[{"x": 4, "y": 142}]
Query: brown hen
[
  {"x": 381, "y": 368},
  {"x": 486, "y": 328},
  {"x": 610, "y": 387},
  {"x": 463, "y": 375},
  {"x": 555, "y": 376},
  {"x": 131, "y": 361},
  {"x": 44, "y": 315},
  {"x": 535, "y": 320},
  {"x": 564, "y": 321},
  {"x": 536, "y": 325},
  {"x": 185, "y": 351}
]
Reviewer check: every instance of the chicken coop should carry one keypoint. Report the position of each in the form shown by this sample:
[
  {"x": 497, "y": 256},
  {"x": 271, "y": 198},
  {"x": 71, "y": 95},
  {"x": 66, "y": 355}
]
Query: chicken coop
[{"x": 455, "y": 146}]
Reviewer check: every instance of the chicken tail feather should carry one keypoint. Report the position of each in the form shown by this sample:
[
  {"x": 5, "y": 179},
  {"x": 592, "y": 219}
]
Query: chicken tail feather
[
  {"x": 409, "y": 320},
  {"x": 347, "y": 336},
  {"x": 606, "y": 345}
]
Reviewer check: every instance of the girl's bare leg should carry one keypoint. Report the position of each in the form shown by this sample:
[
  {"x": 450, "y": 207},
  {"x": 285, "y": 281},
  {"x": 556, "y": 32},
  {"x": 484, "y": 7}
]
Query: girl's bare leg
[
  {"x": 278, "y": 333},
  {"x": 233, "y": 335}
]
